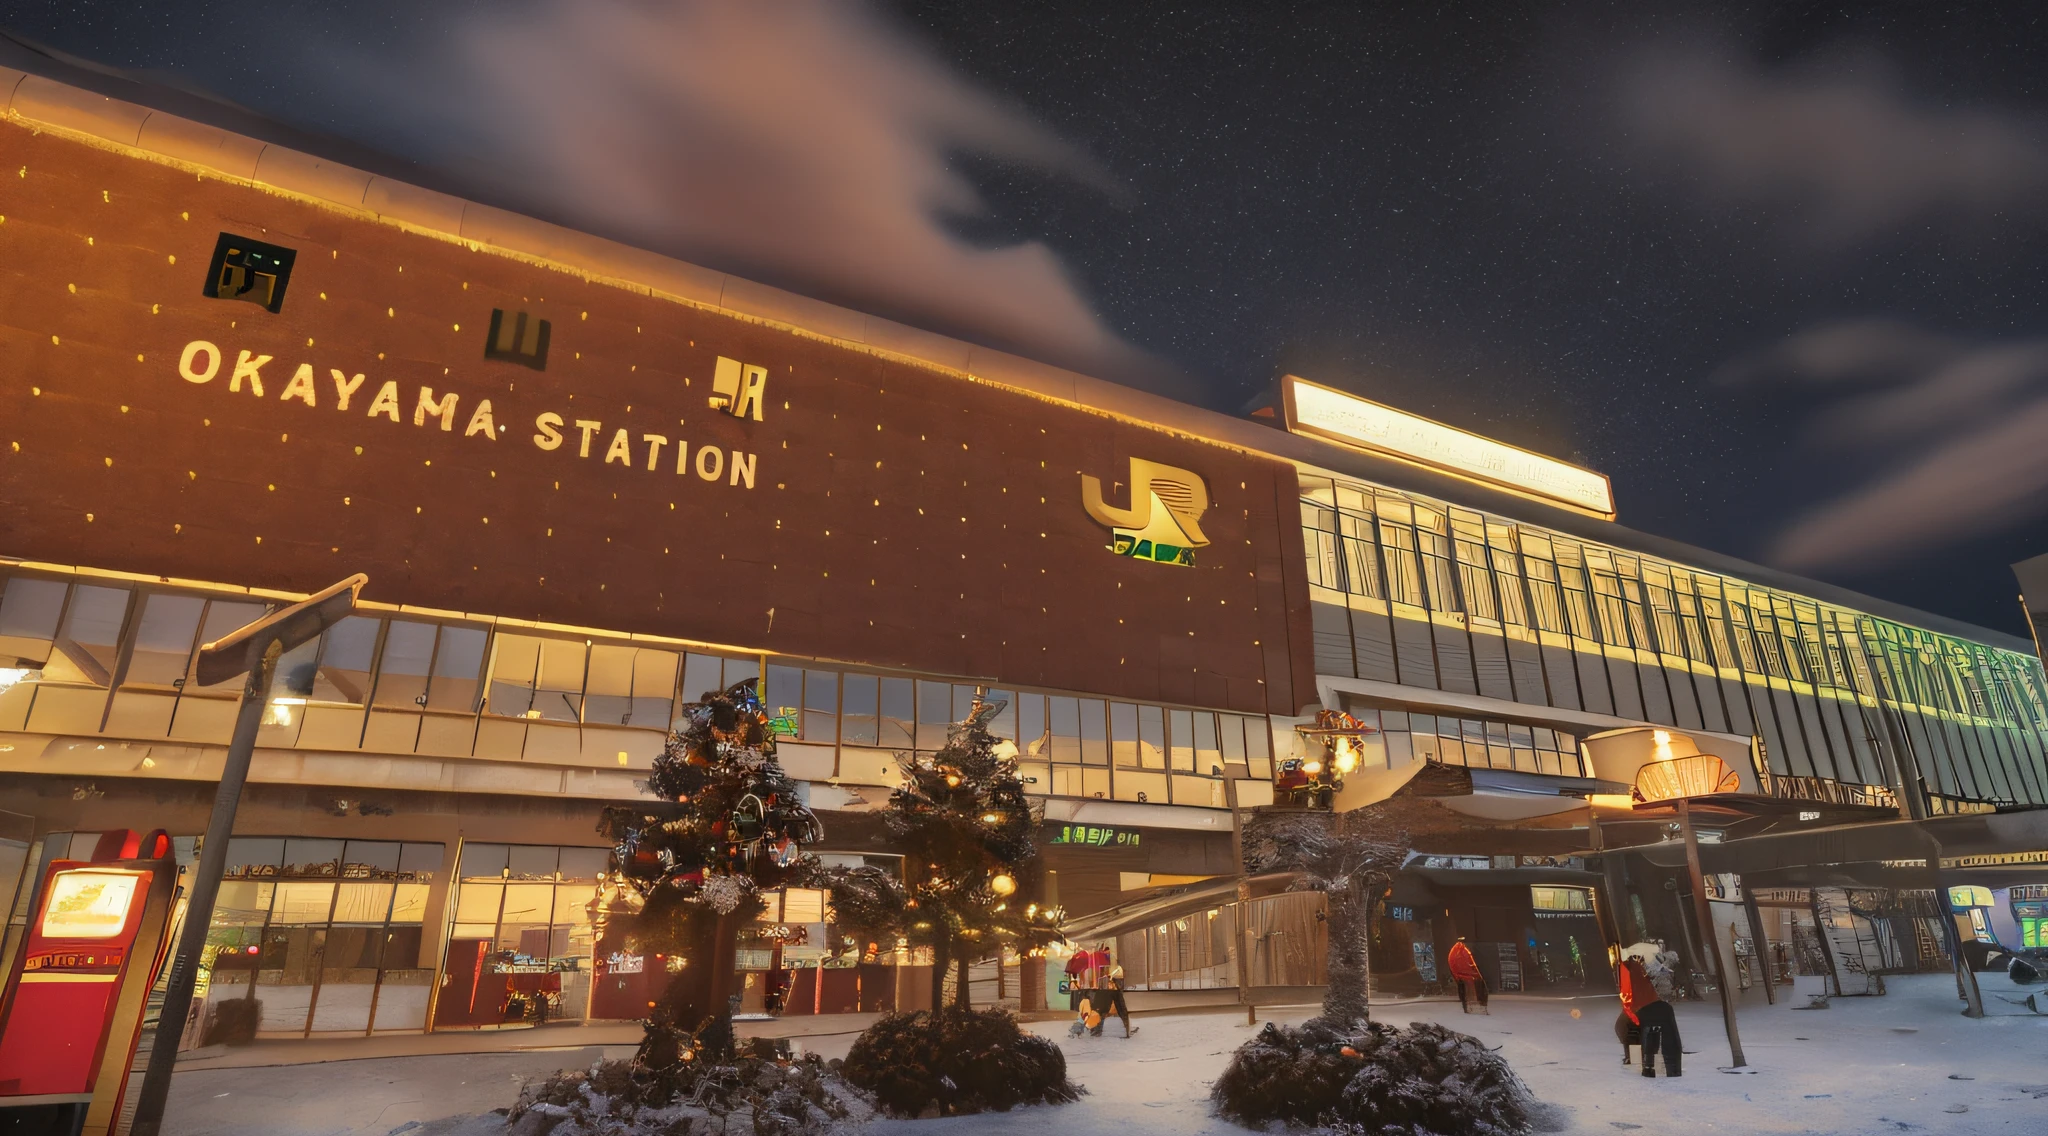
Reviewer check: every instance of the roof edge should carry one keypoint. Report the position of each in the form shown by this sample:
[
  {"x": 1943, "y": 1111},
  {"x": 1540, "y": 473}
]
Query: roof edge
[{"x": 63, "y": 105}]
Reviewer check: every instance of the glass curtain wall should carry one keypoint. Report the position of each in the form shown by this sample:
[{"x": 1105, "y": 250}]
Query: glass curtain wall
[
  {"x": 326, "y": 935},
  {"x": 408, "y": 685},
  {"x": 1414, "y": 592},
  {"x": 520, "y": 942}
]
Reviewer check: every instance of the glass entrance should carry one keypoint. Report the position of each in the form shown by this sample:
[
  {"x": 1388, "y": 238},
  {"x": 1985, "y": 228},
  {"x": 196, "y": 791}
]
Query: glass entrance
[
  {"x": 520, "y": 948},
  {"x": 324, "y": 934}
]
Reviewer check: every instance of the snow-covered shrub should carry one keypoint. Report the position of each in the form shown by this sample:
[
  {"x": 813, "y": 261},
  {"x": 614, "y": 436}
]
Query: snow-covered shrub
[
  {"x": 761, "y": 1091},
  {"x": 1383, "y": 1080},
  {"x": 956, "y": 1062}
]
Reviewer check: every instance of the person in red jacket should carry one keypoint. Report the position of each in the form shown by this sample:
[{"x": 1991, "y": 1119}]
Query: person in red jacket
[
  {"x": 1465, "y": 969},
  {"x": 1636, "y": 992}
]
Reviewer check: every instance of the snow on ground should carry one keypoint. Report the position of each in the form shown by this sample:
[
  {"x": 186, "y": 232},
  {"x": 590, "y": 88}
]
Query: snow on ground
[{"x": 1906, "y": 1062}]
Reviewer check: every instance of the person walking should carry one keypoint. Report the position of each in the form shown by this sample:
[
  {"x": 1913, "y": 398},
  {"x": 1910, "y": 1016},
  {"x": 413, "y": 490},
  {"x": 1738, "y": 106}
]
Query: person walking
[
  {"x": 1659, "y": 1024},
  {"x": 1077, "y": 979},
  {"x": 1113, "y": 989},
  {"x": 1465, "y": 970}
]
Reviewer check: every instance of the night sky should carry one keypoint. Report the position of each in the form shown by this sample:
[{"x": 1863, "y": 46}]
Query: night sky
[{"x": 1776, "y": 269}]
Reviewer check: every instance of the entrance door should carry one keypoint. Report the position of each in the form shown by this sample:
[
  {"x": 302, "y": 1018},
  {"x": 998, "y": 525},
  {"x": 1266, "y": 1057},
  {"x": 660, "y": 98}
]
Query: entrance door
[{"x": 286, "y": 975}]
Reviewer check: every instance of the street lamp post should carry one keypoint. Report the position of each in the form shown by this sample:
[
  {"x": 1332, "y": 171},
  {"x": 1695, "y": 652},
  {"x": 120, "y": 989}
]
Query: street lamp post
[{"x": 253, "y": 649}]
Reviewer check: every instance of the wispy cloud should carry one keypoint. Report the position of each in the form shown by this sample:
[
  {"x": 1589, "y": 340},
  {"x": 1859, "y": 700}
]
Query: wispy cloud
[
  {"x": 805, "y": 141},
  {"x": 1960, "y": 429},
  {"x": 1841, "y": 144}
]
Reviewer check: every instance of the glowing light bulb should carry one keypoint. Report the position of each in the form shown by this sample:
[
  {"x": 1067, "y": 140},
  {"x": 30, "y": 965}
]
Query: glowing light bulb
[
  {"x": 1347, "y": 755},
  {"x": 1311, "y": 766},
  {"x": 1002, "y": 884}
]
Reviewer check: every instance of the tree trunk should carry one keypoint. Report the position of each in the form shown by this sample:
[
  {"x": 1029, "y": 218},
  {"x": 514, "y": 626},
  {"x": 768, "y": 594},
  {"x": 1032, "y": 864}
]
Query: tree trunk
[
  {"x": 942, "y": 960},
  {"x": 1347, "y": 999},
  {"x": 960, "y": 998}
]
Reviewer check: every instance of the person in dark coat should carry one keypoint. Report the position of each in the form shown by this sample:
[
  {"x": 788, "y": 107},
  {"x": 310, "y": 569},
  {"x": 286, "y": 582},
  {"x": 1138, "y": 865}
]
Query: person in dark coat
[{"x": 1660, "y": 1034}]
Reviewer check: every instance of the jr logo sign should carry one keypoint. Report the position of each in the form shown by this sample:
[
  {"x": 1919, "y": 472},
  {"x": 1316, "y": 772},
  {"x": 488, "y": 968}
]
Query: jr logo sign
[{"x": 1163, "y": 523}]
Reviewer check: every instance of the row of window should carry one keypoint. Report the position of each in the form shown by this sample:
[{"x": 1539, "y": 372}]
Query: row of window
[
  {"x": 106, "y": 636},
  {"x": 1400, "y": 736},
  {"x": 1448, "y": 598}
]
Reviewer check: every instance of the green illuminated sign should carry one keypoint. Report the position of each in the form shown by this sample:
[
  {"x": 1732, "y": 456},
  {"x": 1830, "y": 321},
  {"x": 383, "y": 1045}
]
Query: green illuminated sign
[{"x": 1096, "y": 836}]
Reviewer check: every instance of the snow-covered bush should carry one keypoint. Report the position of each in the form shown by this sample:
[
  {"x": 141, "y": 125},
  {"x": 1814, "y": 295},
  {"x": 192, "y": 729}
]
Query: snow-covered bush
[
  {"x": 1421, "y": 1081},
  {"x": 956, "y": 1062},
  {"x": 761, "y": 1091}
]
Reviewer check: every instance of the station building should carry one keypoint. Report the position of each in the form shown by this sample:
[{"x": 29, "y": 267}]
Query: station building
[{"x": 588, "y": 483}]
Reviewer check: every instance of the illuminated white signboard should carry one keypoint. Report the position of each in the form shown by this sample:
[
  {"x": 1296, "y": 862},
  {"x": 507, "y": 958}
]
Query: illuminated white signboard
[{"x": 1355, "y": 421}]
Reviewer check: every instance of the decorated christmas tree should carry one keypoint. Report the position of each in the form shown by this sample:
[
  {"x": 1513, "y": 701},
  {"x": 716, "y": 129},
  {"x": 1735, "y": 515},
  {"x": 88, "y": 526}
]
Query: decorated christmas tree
[
  {"x": 732, "y": 826},
  {"x": 971, "y": 888},
  {"x": 972, "y": 879},
  {"x": 1340, "y": 1069}
]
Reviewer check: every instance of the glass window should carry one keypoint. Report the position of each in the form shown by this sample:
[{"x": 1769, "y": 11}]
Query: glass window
[
  {"x": 223, "y": 618},
  {"x": 346, "y": 652},
  {"x": 1258, "y": 753},
  {"x": 899, "y": 712},
  {"x": 1361, "y": 559},
  {"x": 479, "y": 902},
  {"x": 1208, "y": 756},
  {"x": 515, "y": 659},
  {"x": 1231, "y": 738},
  {"x": 1004, "y": 724},
  {"x": 738, "y": 671},
  {"x": 1094, "y": 741},
  {"x": 370, "y": 859},
  {"x": 1031, "y": 734},
  {"x": 86, "y": 651},
  {"x": 1320, "y": 544},
  {"x": 785, "y": 691},
  {"x": 963, "y": 701},
  {"x": 300, "y": 902},
  {"x": 1123, "y": 734},
  {"x": 654, "y": 688},
  {"x": 584, "y": 865},
  {"x": 861, "y": 725},
  {"x": 821, "y": 706},
  {"x": 457, "y": 662},
  {"x": 1180, "y": 739},
  {"x": 29, "y": 611},
  {"x": 934, "y": 714},
  {"x": 356, "y": 902},
  {"x": 307, "y": 857},
  {"x": 484, "y": 861},
  {"x": 1151, "y": 737},
  {"x": 165, "y": 640},
  {"x": 1065, "y": 714},
  {"x": 1397, "y": 546},
  {"x": 533, "y": 861},
  {"x": 608, "y": 687},
  {"x": 253, "y": 856},
  {"x": 402, "y": 669},
  {"x": 558, "y": 687},
  {"x": 703, "y": 675}
]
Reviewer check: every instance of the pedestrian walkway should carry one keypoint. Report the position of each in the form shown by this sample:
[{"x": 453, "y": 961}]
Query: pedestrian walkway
[{"x": 559, "y": 1035}]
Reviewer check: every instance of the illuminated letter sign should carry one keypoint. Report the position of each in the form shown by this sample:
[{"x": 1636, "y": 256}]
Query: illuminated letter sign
[
  {"x": 1355, "y": 421},
  {"x": 739, "y": 388},
  {"x": 1163, "y": 523}
]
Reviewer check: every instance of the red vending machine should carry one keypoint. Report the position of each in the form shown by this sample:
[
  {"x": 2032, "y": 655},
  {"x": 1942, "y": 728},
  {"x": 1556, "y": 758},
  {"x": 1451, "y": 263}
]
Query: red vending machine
[{"x": 75, "y": 999}]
